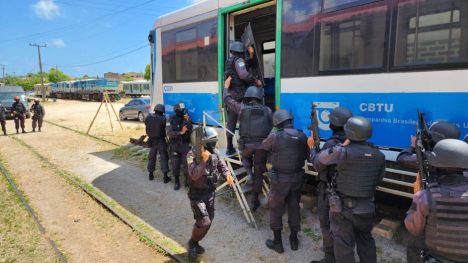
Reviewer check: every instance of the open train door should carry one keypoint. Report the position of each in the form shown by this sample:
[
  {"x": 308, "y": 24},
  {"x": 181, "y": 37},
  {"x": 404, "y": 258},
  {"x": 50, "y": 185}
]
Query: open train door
[{"x": 248, "y": 39}]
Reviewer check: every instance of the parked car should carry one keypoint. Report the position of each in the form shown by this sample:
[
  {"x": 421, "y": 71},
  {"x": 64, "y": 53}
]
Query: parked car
[
  {"x": 137, "y": 108},
  {"x": 7, "y": 94}
]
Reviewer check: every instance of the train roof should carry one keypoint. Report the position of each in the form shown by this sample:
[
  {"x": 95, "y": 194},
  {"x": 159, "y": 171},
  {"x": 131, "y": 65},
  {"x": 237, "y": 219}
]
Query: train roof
[
  {"x": 191, "y": 11},
  {"x": 11, "y": 89}
]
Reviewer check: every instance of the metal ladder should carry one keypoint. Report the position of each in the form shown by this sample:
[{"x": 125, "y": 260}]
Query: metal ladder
[{"x": 237, "y": 160}]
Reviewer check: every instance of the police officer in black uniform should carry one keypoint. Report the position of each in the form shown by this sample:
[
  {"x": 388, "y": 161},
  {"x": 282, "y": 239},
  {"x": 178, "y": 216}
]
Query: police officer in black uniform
[
  {"x": 203, "y": 178},
  {"x": 255, "y": 123},
  {"x": 3, "y": 118},
  {"x": 38, "y": 115},
  {"x": 237, "y": 68},
  {"x": 439, "y": 213},
  {"x": 288, "y": 149},
  {"x": 438, "y": 131},
  {"x": 156, "y": 131},
  {"x": 179, "y": 131},
  {"x": 360, "y": 167},
  {"x": 19, "y": 114},
  {"x": 338, "y": 117}
]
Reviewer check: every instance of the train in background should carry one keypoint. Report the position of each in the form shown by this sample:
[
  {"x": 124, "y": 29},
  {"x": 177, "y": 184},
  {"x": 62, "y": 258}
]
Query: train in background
[
  {"x": 85, "y": 89},
  {"x": 136, "y": 88},
  {"x": 38, "y": 90},
  {"x": 383, "y": 59}
]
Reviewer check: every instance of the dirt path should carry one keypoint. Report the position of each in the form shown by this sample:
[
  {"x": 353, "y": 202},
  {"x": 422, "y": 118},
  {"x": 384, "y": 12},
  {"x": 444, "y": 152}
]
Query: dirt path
[
  {"x": 84, "y": 230},
  {"x": 229, "y": 240}
]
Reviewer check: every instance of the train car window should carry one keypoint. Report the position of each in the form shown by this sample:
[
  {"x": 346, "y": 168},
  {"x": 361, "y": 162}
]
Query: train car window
[
  {"x": 298, "y": 37},
  {"x": 269, "y": 59},
  {"x": 354, "y": 38},
  {"x": 190, "y": 54},
  {"x": 333, "y": 5},
  {"x": 430, "y": 32}
]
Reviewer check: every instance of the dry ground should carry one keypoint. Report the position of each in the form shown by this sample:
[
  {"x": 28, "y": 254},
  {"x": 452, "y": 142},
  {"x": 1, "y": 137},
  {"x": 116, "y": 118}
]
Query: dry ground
[{"x": 229, "y": 240}]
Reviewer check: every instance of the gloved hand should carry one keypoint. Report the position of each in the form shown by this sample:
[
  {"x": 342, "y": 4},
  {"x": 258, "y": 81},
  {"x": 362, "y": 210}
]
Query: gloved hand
[
  {"x": 205, "y": 155},
  {"x": 184, "y": 130},
  {"x": 230, "y": 180}
]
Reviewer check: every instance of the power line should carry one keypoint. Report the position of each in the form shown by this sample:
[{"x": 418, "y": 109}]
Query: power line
[
  {"x": 68, "y": 27},
  {"x": 104, "y": 60}
]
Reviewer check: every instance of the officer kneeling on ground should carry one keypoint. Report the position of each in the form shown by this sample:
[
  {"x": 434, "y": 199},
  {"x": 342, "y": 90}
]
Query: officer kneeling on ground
[
  {"x": 338, "y": 118},
  {"x": 288, "y": 149},
  {"x": 38, "y": 115},
  {"x": 204, "y": 172},
  {"x": 255, "y": 123},
  {"x": 440, "y": 212},
  {"x": 156, "y": 131},
  {"x": 360, "y": 167}
]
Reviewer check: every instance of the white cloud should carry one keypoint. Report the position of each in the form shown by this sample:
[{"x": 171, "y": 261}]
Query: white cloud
[
  {"x": 58, "y": 42},
  {"x": 46, "y": 9}
]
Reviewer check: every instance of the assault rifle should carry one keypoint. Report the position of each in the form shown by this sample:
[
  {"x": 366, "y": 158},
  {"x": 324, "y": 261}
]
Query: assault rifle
[
  {"x": 198, "y": 141},
  {"x": 423, "y": 139},
  {"x": 314, "y": 126}
]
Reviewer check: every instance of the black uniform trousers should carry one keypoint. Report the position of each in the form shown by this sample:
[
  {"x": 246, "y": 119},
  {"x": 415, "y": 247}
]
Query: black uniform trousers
[
  {"x": 179, "y": 151},
  {"x": 350, "y": 230},
  {"x": 282, "y": 196},
  {"x": 19, "y": 119},
  {"x": 232, "y": 118},
  {"x": 414, "y": 248},
  {"x": 158, "y": 146},
  {"x": 323, "y": 209},
  {"x": 203, "y": 212},
  {"x": 257, "y": 159},
  {"x": 3, "y": 123},
  {"x": 37, "y": 121}
]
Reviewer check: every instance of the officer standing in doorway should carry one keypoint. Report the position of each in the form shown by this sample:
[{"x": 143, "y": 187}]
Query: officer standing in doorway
[
  {"x": 360, "y": 167},
  {"x": 156, "y": 131},
  {"x": 38, "y": 115},
  {"x": 204, "y": 173},
  {"x": 255, "y": 123},
  {"x": 439, "y": 213},
  {"x": 288, "y": 149},
  {"x": 179, "y": 131},
  {"x": 3, "y": 119},
  {"x": 438, "y": 131},
  {"x": 338, "y": 118},
  {"x": 19, "y": 112},
  {"x": 237, "y": 68}
]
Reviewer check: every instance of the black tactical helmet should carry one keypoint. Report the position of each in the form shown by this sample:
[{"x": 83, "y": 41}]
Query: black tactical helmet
[
  {"x": 179, "y": 106},
  {"x": 210, "y": 133},
  {"x": 281, "y": 116},
  {"x": 254, "y": 92},
  {"x": 237, "y": 46},
  {"x": 440, "y": 130},
  {"x": 339, "y": 116},
  {"x": 450, "y": 153},
  {"x": 358, "y": 129},
  {"x": 36, "y": 100},
  {"x": 160, "y": 108}
]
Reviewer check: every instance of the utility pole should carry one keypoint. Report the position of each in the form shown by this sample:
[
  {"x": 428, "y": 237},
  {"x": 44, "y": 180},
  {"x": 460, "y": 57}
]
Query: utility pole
[
  {"x": 40, "y": 68},
  {"x": 3, "y": 70}
]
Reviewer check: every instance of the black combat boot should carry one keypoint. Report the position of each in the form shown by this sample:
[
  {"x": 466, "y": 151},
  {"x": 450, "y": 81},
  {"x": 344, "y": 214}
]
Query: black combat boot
[
  {"x": 293, "y": 240},
  {"x": 24, "y": 131},
  {"x": 39, "y": 129},
  {"x": 192, "y": 251},
  {"x": 151, "y": 176},
  {"x": 177, "y": 183},
  {"x": 277, "y": 243},
  {"x": 34, "y": 130},
  {"x": 166, "y": 179},
  {"x": 254, "y": 202},
  {"x": 329, "y": 258},
  {"x": 17, "y": 131},
  {"x": 200, "y": 249}
]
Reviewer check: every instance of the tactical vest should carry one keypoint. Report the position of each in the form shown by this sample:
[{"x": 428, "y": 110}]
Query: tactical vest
[
  {"x": 211, "y": 178},
  {"x": 359, "y": 173},
  {"x": 288, "y": 155},
  {"x": 237, "y": 84},
  {"x": 18, "y": 107},
  {"x": 37, "y": 109},
  {"x": 176, "y": 124},
  {"x": 254, "y": 123},
  {"x": 447, "y": 223},
  {"x": 154, "y": 125}
]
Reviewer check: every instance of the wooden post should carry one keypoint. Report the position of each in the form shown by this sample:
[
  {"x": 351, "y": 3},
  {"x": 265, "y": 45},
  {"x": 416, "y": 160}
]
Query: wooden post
[{"x": 92, "y": 122}]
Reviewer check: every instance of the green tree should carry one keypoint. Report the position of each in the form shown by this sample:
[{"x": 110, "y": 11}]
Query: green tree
[
  {"x": 147, "y": 72},
  {"x": 55, "y": 75}
]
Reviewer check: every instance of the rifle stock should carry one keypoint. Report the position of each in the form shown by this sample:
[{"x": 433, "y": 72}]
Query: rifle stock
[
  {"x": 423, "y": 138},
  {"x": 314, "y": 126}
]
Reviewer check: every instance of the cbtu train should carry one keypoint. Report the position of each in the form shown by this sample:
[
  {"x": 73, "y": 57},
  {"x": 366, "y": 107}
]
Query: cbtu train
[
  {"x": 383, "y": 59},
  {"x": 85, "y": 89},
  {"x": 136, "y": 88}
]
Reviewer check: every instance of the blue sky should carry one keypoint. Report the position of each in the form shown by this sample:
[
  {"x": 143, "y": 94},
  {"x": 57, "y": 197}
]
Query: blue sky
[{"x": 78, "y": 33}]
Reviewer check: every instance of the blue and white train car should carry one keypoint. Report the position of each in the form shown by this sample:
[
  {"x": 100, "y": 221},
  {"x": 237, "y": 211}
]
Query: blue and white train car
[
  {"x": 85, "y": 89},
  {"x": 383, "y": 59}
]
